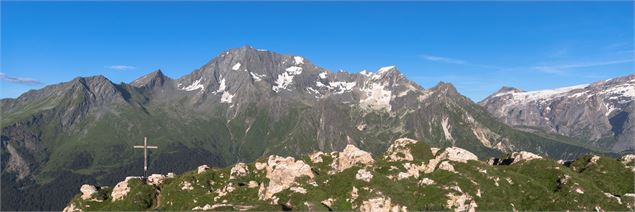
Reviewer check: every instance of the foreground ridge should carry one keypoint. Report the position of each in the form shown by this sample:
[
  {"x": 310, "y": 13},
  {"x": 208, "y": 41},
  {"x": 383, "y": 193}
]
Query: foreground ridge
[{"x": 408, "y": 176}]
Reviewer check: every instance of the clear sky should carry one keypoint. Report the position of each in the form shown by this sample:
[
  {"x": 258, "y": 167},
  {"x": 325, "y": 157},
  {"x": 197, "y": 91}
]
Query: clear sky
[{"x": 477, "y": 46}]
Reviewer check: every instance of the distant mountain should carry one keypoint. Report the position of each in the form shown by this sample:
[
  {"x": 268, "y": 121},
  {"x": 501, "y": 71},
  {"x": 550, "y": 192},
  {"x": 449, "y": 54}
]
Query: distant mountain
[
  {"x": 409, "y": 176},
  {"x": 242, "y": 105},
  {"x": 601, "y": 113}
]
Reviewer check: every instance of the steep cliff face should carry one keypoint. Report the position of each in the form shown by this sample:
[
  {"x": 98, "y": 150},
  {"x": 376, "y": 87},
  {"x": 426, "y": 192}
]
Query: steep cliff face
[
  {"x": 409, "y": 176},
  {"x": 601, "y": 113}
]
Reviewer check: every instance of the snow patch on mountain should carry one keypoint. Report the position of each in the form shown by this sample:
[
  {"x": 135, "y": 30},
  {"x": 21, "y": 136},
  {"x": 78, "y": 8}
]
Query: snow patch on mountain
[
  {"x": 236, "y": 67},
  {"x": 222, "y": 85},
  {"x": 226, "y": 97},
  {"x": 256, "y": 76},
  {"x": 446, "y": 129},
  {"x": 384, "y": 69},
  {"x": 285, "y": 79},
  {"x": 195, "y": 86},
  {"x": 377, "y": 97},
  {"x": 298, "y": 60},
  {"x": 341, "y": 87},
  {"x": 323, "y": 75},
  {"x": 541, "y": 94}
]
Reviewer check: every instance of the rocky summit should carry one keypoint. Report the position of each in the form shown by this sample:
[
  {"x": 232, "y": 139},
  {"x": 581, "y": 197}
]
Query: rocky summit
[
  {"x": 410, "y": 176},
  {"x": 248, "y": 103}
]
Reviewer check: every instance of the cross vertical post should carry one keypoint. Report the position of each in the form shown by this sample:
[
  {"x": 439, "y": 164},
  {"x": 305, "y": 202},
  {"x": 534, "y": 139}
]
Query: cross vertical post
[{"x": 145, "y": 148}]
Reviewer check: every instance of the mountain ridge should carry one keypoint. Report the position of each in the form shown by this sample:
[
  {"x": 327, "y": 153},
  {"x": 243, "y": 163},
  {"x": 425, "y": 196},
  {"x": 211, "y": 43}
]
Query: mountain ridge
[{"x": 241, "y": 105}]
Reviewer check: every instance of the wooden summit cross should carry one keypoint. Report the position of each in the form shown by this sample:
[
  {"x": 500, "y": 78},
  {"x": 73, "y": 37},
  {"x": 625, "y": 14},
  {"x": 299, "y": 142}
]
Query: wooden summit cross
[{"x": 145, "y": 148}]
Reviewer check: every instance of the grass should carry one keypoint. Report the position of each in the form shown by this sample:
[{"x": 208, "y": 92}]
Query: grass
[{"x": 530, "y": 185}]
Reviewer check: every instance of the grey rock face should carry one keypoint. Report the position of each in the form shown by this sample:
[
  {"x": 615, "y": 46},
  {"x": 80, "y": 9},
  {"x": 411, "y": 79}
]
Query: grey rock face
[{"x": 601, "y": 113}]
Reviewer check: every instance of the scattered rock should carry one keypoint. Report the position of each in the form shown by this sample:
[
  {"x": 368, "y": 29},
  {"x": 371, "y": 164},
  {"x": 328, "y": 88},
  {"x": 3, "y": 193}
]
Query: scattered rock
[
  {"x": 297, "y": 189},
  {"x": 426, "y": 181},
  {"x": 412, "y": 170},
  {"x": 364, "y": 175},
  {"x": 202, "y": 169},
  {"x": 186, "y": 186},
  {"x": 88, "y": 191},
  {"x": 207, "y": 207},
  {"x": 239, "y": 170},
  {"x": 71, "y": 208},
  {"x": 328, "y": 202},
  {"x": 461, "y": 202},
  {"x": 628, "y": 159},
  {"x": 381, "y": 203},
  {"x": 594, "y": 159},
  {"x": 354, "y": 195},
  {"x": 349, "y": 157}
]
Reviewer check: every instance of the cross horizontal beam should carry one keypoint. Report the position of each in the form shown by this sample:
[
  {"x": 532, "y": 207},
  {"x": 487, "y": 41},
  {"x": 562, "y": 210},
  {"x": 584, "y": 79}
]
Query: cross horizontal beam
[{"x": 149, "y": 147}]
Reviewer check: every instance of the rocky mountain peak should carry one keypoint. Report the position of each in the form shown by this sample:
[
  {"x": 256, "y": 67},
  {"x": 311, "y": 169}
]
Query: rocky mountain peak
[
  {"x": 506, "y": 89},
  {"x": 149, "y": 80},
  {"x": 446, "y": 89}
]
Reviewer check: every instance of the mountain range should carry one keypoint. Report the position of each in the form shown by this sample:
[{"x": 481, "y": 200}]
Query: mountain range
[{"x": 248, "y": 103}]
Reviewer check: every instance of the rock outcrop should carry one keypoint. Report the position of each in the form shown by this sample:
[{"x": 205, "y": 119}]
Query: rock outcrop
[
  {"x": 202, "y": 168},
  {"x": 155, "y": 179},
  {"x": 349, "y": 157},
  {"x": 399, "y": 151},
  {"x": 239, "y": 170},
  {"x": 524, "y": 156},
  {"x": 364, "y": 175},
  {"x": 121, "y": 189},
  {"x": 281, "y": 173},
  {"x": 88, "y": 191}
]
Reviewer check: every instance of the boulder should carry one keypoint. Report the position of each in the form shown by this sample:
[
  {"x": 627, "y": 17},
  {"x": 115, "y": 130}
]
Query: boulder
[
  {"x": 349, "y": 157},
  {"x": 628, "y": 159},
  {"x": 457, "y": 154},
  {"x": 88, "y": 191},
  {"x": 202, "y": 169},
  {"x": 524, "y": 156},
  {"x": 171, "y": 175},
  {"x": 155, "y": 179},
  {"x": 252, "y": 184}
]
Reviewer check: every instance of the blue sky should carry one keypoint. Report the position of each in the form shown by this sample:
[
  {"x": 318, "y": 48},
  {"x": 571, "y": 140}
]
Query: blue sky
[{"x": 477, "y": 46}]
